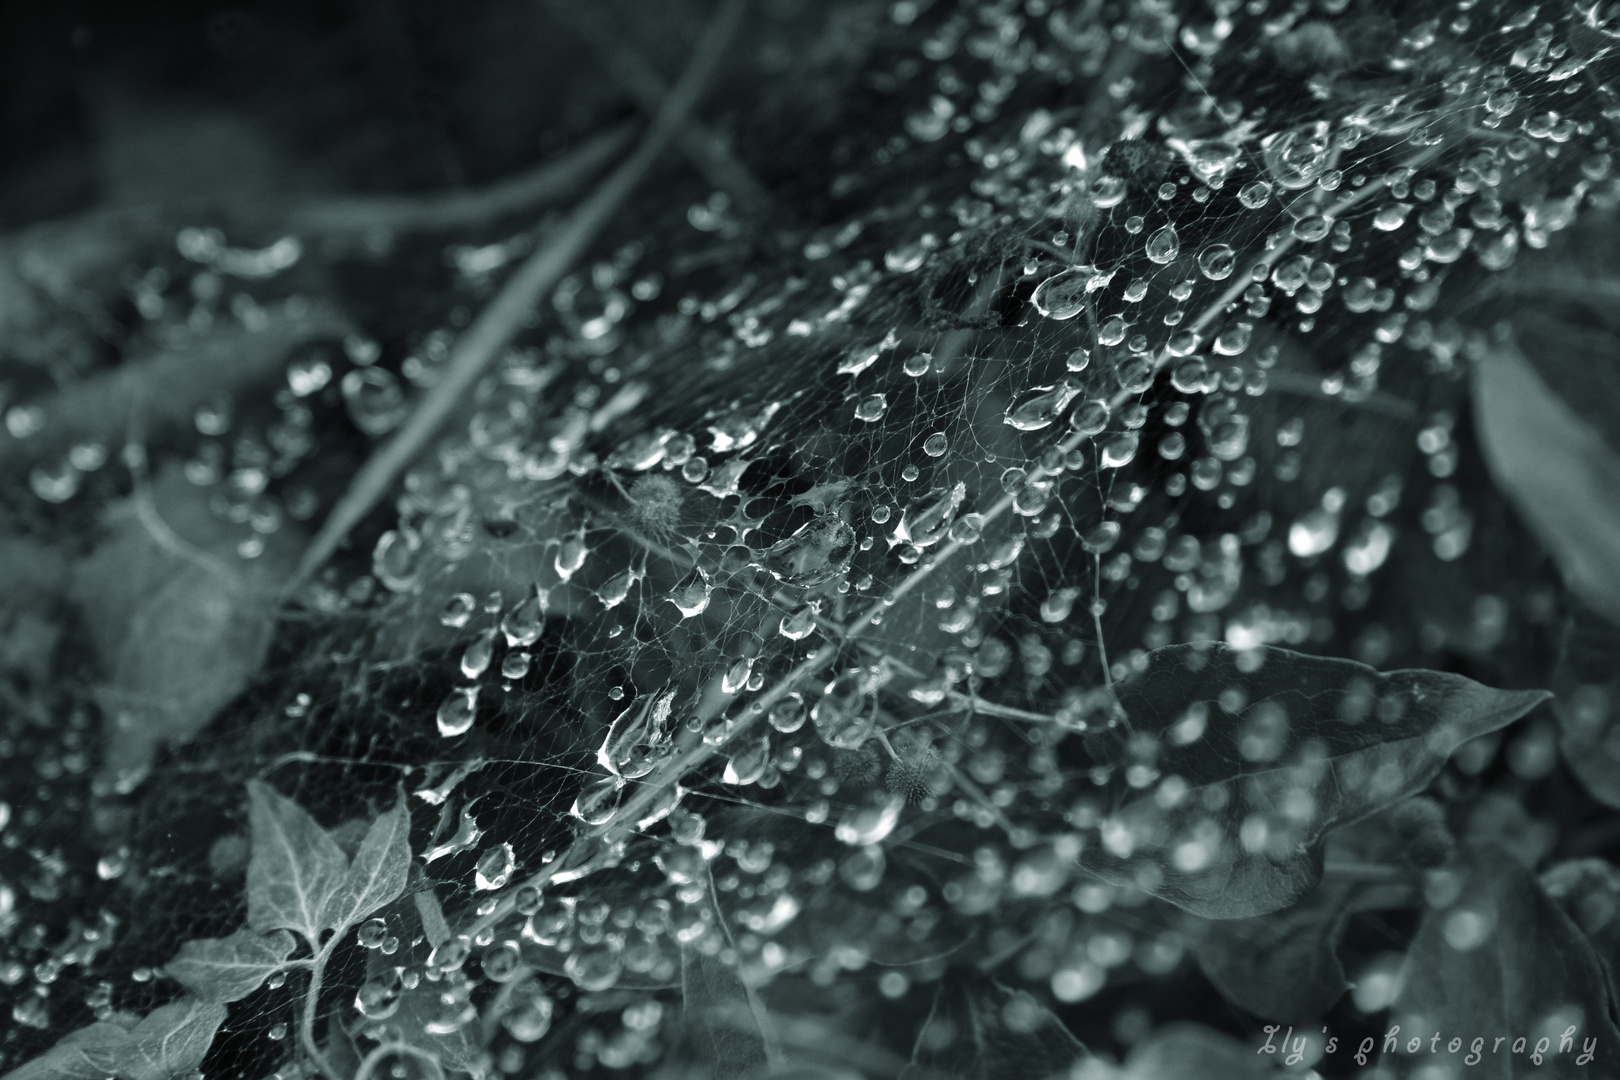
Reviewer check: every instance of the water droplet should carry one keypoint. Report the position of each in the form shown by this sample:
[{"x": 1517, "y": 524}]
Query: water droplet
[
  {"x": 597, "y": 804},
  {"x": 475, "y": 661},
  {"x": 918, "y": 364},
  {"x": 1254, "y": 194},
  {"x": 111, "y": 866},
  {"x": 396, "y": 561},
  {"x": 1217, "y": 261},
  {"x": 372, "y": 932},
  {"x": 736, "y": 677},
  {"x": 571, "y": 555},
  {"x": 1499, "y": 251},
  {"x": 1101, "y": 537},
  {"x": 1090, "y": 417},
  {"x": 936, "y": 444},
  {"x": 1391, "y": 216},
  {"x": 817, "y": 552},
  {"x": 909, "y": 257},
  {"x": 494, "y": 868},
  {"x": 1317, "y": 530},
  {"x": 529, "y": 1018},
  {"x": 308, "y": 373},
  {"x": 925, "y": 523},
  {"x": 1107, "y": 191},
  {"x": 455, "y": 716},
  {"x": 842, "y": 716},
  {"x": 1313, "y": 228},
  {"x": 1164, "y": 245},
  {"x": 523, "y": 624},
  {"x": 871, "y": 824},
  {"x": 788, "y": 715},
  {"x": 797, "y": 625},
  {"x": 1078, "y": 360},
  {"x": 967, "y": 529},
  {"x": 1119, "y": 450},
  {"x": 457, "y": 610},
  {"x": 379, "y": 996},
  {"x": 1112, "y": 330},
  {"x": 1296, "y": 157},
  {"x": 502, "y": 962},
  {"x": 872, "y": 407},
  {"x": 374, "y": 400},
  {"x": 1063, "y": 295},
  {"x": 747, "y": 764},
  {"x": 615, "y": 589},
  {"x": 594, "y": 969},
  {"x": 1233, "y": 339},
  {"x": 1059, "y": 604},
  {"x": 1043, "y": 405}
]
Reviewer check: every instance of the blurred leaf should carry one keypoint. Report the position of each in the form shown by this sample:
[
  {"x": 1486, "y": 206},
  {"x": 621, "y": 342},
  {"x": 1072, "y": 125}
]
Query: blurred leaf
[
  {"x": 223, "y": 970},
  {"x": 733, "y": 1029},
  {"x": 1285, "y": 966},
  {"x": 1558, "y": 471},
  {"x": 296, "y": 870},
  {"x": 1500, "y": 958},
  {"x": 1188, "y": 1051},
  {"x": 377, "y": 875},
  {"x": 1273, "y": 759},
  {"x": 1587, "y": 682},
  {"x": 1588, "y": 891},
  {"x": 169, "y": 1042},
  {"x": 978, "y": 1029},
  {"x": 180, "y": 621}
]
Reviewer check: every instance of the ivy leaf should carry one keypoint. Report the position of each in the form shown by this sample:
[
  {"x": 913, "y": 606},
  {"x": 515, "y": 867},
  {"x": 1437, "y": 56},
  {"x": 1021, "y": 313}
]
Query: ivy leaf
[
  {"x": 1269, "y": 751},
  {"x": 222, "y": 970},
  {"x": 1498, "y": 957},
  {"x": 732, "y": 1029},
  {"x": 296, "y": 868},
  {"x": 376, "y": 877},
  {"x": 1556, "y": 469},
  {"x": 91, "y": 1053},
  {"x": 1285, "y": 966},
  {"x": 1189, "y": 1051},
  {"x": 978, "y": 1029},
  {"x": 171, "y": 1041}
]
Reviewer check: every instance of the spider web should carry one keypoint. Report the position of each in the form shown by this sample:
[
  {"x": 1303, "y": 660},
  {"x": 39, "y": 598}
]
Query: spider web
[{"x": 756, "y": 612}]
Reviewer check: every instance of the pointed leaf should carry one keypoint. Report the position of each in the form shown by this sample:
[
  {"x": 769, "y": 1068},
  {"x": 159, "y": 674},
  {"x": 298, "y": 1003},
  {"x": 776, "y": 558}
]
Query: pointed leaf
[
  {"x": 295, "y": 869},
  {"x": 1189, "y": 1051},
  {"x": 173, "y": 1040},
  {"x": 222, "y": 970},
  {"x": 91, "y": 1053},
  {"x": 981, "y": 1030},
  {"x": 1270, "y": 750},
  {"x": 1501, "y": 958},
  {"x": 1285, "y": 966},
  {"x": 726, "y": 1018},
  {"x": 1558, "y": 471},
  {"x": 376, "y": 877}
]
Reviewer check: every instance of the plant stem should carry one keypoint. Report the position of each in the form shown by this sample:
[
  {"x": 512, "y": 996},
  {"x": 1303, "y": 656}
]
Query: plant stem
[
  {"x": 477, "y": 349},
  {"x": 306, "y": 1022}
]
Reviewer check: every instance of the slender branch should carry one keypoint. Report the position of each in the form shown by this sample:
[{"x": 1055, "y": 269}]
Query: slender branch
[
  {"x": 703, "y": 147},
  {"x": 306, "y": 1021},
  {"x": 503, "y": 318}
]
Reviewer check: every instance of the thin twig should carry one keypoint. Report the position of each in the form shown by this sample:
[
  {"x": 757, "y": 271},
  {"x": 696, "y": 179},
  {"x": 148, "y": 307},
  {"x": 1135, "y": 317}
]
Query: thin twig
[
  {"x": 706, "y": 150},
  {"x": 500, "y": 321},
  {"x": 361, "y": 214}
]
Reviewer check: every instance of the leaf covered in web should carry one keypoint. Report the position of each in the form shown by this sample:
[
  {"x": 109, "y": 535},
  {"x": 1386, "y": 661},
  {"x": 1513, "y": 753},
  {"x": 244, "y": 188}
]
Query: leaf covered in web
[
  {"x": 978, "y": 1029},
  {"x": 1189, "y": 1051},
  {"x": 222, "y": 970},
  {"x": 1284, "y": 966},
  {"x": 1495, "y": 955},
  {"x": 1238, "y": 764},
  {"x": 296, "y": 871},
  {"x": 171, "y": 1041},
  {"x": 731, "y": 1030},
  {"x": 377, "y": 875}
]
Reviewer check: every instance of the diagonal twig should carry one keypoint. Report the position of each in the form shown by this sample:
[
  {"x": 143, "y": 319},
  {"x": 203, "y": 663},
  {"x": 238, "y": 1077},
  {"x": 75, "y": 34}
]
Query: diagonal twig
[
  {"x": 497, "y": 324},
  {"x": 706, "y": 149}
]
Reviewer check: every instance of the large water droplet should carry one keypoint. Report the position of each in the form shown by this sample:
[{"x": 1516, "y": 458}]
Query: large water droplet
[
  {"x": 819, "y": 551},
  {"x": 797, "y": 625},
  {"x": 396, "y": 561},
  {"x": 842, "y": 716},
  {"x": 1107, "y": 191},
  {"x": 871, "y": 824},
  {"x": 925, "y": 523},
  {"x": 374, "y": 400},
  {"x": 522, "y": 625},
  {"x": 475, "y": 661},
  {"x": 1043, "y": 405},
  {"x": 571, "y": 555},
  {"x": 1063, "y": 295},
  {"x": 1090, "y": 417},
  {"x": 747, "y": 763},
  {"x": 494, "y": 868},
  {"x": 1164, "y": 245},
  {"x": 1217, "y": 261},
  {"x": 455, "y": 716},
  {"x": 597, "y": 804},
  {"x": 1254, "y": 194}
]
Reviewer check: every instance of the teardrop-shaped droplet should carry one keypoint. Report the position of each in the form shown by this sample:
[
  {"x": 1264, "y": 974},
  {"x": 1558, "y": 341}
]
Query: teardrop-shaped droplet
[
  {"x": 457, "y": 610},
  {"x": 597, "y": 804},
  {"x": 475, "y": 661},
  {"x": 571, "y": 555},
  {"x": 1391, "y": 216},
  {"x": 1217, "y": 261},
  {"x": 1164, "y": 245},
  {"x": 522, "y": 625},
  {"x": 736, "y": 676},
  {"x": 1112, "y": 330},
  {"x": 494, "y": 868},
  {"x": 1233, "y": 339},
  {"x": 1101, "y": 537},
  {"x": 455, "y": 716},
  {"x": 1063, "y": 295},
  {"x": 1089, "y": 417},
  {"x": 788, "y": 715},
  {"x": 1043, "y": 405},
  {"x": 615, "y": 589},
  {"x": 1119, "y": 450},
  {"x": 691, "y": 595},
  {"x": 515, "y": 665},
  {"x": 797, "y": 625},
  {"x": 872, "y": 408},
  {"x": 842, "y": 716},
  {"x": 926, "y": 522},
  {"x": 748, "y": 762}
]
